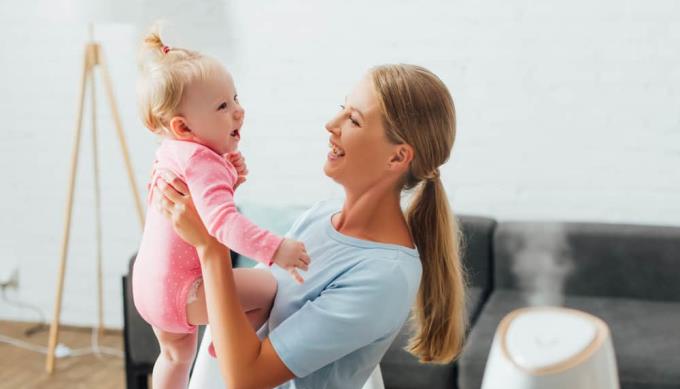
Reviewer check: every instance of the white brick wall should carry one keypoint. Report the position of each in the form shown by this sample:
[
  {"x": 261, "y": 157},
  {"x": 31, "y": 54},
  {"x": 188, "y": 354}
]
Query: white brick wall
[{"x": 567, "y": 110}]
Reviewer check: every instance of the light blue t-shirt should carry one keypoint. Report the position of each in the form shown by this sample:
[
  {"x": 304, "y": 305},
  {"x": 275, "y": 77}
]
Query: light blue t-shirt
[{"x": 333, "y": 330}]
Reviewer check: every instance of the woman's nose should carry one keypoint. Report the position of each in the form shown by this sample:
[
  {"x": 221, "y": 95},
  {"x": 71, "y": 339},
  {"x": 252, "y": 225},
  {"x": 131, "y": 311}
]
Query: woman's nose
[{"x": 333, "y": 125}]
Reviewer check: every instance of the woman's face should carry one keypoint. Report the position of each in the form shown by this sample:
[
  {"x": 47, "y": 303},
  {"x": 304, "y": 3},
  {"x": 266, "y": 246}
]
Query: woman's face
[{"x": 360, "y": 151}]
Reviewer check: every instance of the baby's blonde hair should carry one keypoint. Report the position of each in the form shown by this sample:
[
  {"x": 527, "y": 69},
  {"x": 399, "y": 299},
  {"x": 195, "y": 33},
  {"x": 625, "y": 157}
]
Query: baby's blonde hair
[{"x": 164, "y": 74}]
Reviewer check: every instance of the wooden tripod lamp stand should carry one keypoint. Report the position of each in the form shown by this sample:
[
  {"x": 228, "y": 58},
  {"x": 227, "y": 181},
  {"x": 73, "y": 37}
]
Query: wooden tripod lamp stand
[{"x": 93, "y": 58}]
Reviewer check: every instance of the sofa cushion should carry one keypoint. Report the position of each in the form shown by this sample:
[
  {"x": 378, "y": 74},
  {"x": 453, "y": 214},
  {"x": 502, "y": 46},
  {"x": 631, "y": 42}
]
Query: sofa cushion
[
  {"x": 644, "y": 333},
  {"x": 588, "y": 259}
]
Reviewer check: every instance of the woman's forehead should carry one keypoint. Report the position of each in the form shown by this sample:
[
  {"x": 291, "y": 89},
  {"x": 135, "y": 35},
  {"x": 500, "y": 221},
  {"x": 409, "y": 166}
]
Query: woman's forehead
[{"x": 363, "y": 97}]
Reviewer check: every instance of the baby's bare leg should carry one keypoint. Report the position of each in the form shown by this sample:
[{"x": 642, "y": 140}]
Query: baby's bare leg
[
  {"x": 256, "y": 290},
  {"x": 174, "y": 362}
]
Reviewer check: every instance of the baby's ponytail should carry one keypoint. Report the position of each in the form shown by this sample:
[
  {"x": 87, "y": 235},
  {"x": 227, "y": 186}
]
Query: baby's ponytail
[{"x": 164, "y": 74}]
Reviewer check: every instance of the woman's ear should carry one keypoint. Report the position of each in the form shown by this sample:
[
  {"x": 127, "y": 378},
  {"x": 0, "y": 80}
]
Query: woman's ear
[
  {"x": 402, "y": 157},
  {"x": 179, "y": 128}
]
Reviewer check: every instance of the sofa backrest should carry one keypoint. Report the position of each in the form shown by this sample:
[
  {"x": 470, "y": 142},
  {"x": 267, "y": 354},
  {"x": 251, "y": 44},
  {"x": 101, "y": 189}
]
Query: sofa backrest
[
  {"x": 616, "y": 260},
  {"x": 402, "y": 370},
  {"x": 477, "y": 249}
]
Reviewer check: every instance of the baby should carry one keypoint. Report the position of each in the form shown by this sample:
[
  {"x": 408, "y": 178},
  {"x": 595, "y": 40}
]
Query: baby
[{"x": 190, "y": 100}]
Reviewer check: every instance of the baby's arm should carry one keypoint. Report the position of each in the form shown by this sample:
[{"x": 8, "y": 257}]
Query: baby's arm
[{"x": 211, "y": 184}]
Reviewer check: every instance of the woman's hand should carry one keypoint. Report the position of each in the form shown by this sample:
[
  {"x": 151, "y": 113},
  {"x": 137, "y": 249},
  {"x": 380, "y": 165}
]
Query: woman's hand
[
  {"x": 236, "y": 159},
  {"x": 176, "y": 204}
]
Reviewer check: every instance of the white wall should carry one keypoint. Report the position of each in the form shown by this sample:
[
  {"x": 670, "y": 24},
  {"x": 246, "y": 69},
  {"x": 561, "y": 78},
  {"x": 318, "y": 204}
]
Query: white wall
[{"x": 567, "y": 110}]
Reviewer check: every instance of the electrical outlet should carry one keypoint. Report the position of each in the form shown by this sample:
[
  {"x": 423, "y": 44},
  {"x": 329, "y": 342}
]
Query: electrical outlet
[{"x": 10, "y": 279}]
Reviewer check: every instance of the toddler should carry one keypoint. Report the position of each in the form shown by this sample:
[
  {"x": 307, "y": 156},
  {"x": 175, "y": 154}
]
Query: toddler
[{"x": 190, "y": 100}]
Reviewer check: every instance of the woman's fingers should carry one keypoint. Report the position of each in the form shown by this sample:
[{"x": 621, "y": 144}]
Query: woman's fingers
[
  {"x": 171, "y": 179},
  {"x": 169, "y": 192},
  {"x": 163, "y": 205}
]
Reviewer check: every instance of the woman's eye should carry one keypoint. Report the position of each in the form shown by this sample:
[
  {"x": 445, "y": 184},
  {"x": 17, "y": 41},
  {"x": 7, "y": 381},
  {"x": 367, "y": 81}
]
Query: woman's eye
[
  {"x": 236, "y": 98},
  {"x": 356, "y": 123},
  {"x": 222, "y": 106}
]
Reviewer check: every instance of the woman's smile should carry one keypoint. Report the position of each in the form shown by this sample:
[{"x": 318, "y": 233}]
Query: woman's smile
[{"x": 336, "y": 152}]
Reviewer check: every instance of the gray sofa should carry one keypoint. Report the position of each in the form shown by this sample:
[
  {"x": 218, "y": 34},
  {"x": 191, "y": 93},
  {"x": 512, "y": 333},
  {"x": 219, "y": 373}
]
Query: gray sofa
[{"x": 627, "y": 275}]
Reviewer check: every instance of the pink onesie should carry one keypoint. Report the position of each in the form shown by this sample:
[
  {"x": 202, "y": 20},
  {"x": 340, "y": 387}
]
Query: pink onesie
[{"x": 167, "y": 267}]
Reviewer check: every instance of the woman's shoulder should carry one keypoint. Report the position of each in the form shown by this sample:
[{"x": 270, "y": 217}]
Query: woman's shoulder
[
  {"x": 316, "y": 212},
  {"x": 391, "y": 267},
  {"x": 387, "y": 284},
  {"x": 386, "y": 272},
  {"x": 326, "y": 207}
]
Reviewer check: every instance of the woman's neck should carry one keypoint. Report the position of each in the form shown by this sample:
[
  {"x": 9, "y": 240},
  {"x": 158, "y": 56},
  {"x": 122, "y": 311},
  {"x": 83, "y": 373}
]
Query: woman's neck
[{"x": 374, "y": 215}]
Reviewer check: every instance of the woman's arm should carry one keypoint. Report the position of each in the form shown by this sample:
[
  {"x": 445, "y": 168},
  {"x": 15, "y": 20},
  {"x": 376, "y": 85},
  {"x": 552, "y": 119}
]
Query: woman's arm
[
  {"x": 247, "y": 362},
  {"x": 244, "y": 360}
]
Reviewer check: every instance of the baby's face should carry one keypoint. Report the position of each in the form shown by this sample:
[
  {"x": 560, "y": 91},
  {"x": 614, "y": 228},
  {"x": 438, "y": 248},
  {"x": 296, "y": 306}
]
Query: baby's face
[{"x": 213, "y": 113}]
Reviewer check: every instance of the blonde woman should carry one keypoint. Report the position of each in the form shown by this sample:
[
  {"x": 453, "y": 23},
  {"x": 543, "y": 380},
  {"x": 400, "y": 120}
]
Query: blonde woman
[{"x": 372, "y": 262}]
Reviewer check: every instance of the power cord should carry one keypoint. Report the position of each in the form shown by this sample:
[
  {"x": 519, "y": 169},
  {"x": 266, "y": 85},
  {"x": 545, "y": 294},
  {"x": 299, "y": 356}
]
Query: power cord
[{"x": 61, "y": 351}]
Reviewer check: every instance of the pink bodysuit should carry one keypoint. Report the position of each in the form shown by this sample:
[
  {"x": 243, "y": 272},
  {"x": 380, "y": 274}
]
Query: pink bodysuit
[{"x": 167, "y": 268}]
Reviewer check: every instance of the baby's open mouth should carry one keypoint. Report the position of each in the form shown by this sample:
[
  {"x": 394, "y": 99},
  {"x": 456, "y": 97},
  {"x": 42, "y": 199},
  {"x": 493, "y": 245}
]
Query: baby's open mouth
[{"x": 236, "y": 134}]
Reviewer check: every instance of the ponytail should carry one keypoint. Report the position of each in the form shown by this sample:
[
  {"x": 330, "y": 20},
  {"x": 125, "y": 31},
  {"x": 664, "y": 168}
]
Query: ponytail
[
  {"x": 439, "y": 313},
  {"x": 418, "y": 110},
  {"x": 164, "y": 74}
]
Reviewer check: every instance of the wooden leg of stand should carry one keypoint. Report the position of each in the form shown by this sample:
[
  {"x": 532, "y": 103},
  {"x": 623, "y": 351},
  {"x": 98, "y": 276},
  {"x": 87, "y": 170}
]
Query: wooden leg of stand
[
  {"x": 54, "y": 327},
  {"x": 97, "y": 206},
  {"x": 121, "y": 137}
]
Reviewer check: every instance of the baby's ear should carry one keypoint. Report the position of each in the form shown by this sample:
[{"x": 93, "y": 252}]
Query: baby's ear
[{"x": 179, "y": 128}]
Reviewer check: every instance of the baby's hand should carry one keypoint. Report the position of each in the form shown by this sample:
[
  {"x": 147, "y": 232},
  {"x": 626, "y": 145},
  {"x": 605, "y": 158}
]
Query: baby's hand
[
  {"x": 239, "y": 163},
  {"x": 292, "y": 255}
]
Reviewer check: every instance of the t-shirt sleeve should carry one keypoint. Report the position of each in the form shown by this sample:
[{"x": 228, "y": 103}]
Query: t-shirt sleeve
[
  {"x": 365, "y": 304},
  {"x": 211, "y": 184}
]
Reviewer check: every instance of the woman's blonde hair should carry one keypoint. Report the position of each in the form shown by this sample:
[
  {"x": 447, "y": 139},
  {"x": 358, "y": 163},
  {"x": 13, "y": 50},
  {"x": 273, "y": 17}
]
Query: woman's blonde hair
[
  {"x": 164, "y": 74},
  {"x": 418, "y": 110}
]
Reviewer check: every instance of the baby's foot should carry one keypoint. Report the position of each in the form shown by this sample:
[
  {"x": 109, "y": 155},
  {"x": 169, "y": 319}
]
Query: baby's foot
[{"x": 211, "y": 350}]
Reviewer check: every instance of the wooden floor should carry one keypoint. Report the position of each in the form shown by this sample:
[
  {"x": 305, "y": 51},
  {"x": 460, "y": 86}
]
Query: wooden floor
[{"x": 23, "y": 369}]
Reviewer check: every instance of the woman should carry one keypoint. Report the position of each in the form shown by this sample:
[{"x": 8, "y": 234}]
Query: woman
[{"x": 394, "y": 131}]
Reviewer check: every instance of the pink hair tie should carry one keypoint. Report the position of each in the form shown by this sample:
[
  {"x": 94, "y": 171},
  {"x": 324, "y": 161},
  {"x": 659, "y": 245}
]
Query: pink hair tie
[{"x": 165, "y": 49}]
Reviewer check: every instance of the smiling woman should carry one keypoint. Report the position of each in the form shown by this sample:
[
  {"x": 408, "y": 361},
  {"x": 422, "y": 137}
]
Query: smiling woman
[{"x": 367, "y": 257}]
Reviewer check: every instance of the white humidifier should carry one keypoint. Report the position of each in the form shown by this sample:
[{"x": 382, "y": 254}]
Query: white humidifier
[{"x": 551, "y": 348}]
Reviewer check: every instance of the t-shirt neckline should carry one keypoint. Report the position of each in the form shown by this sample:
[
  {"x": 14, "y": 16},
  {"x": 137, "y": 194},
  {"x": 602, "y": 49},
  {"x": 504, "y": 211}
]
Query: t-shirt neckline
[{"x": 352, "y": 241}]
